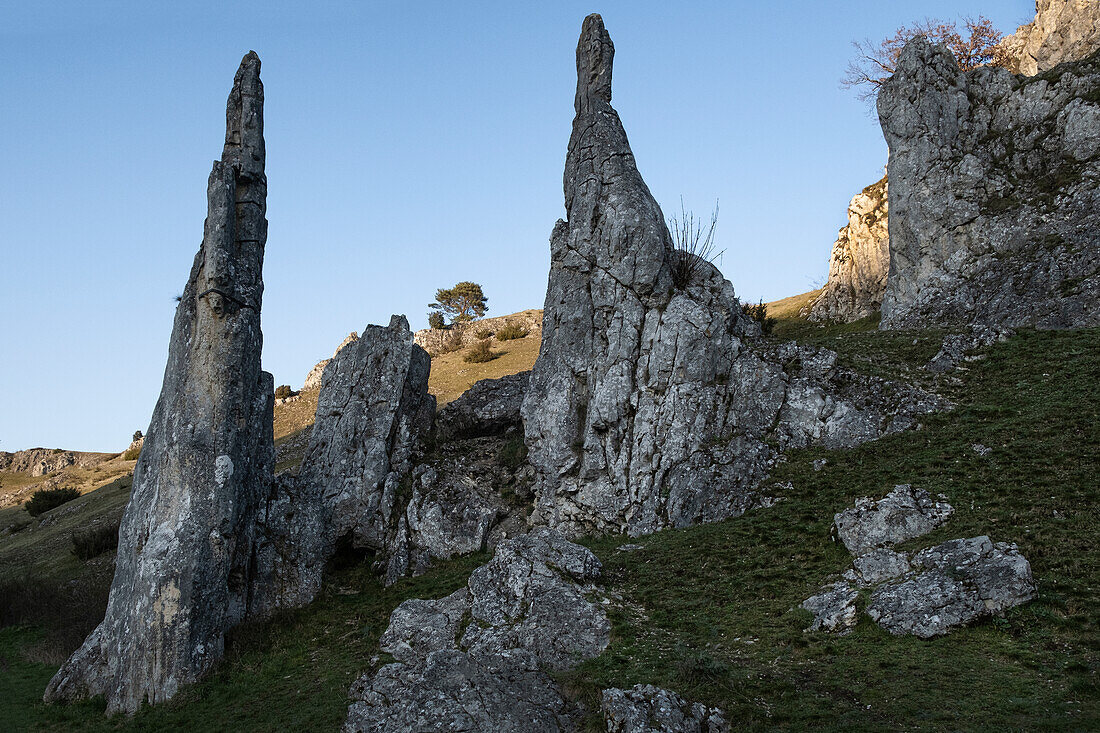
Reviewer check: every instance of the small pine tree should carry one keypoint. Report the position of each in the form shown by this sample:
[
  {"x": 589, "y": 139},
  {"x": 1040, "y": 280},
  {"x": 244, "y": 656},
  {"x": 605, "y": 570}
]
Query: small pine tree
[{"x": 464, "y": 302}]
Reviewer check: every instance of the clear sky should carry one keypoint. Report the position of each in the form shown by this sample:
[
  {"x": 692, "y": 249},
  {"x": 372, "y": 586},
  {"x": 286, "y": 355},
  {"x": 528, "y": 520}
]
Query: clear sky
[{"x": 410, "y": 146}]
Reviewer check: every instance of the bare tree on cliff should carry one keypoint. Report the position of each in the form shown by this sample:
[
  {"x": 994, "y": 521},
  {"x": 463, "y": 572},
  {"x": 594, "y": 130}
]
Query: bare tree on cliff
[
  {"x": 974, "y": 45},
  {"x": 463, "y": 303}
]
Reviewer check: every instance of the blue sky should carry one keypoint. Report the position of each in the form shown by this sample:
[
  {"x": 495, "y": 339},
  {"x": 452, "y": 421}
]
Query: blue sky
[{"x": 410, "y": 146}]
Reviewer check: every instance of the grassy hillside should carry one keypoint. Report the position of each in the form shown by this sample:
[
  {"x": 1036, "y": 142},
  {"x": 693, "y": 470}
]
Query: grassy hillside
[{"x": 712, "y": 611}]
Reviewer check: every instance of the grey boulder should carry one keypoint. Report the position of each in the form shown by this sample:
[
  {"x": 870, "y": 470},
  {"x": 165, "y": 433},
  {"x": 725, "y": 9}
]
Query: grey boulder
[
  {"x": 903, "y": 514},
  {"x": 490, "y": 407},
  {"x": 649, "y": 709}
]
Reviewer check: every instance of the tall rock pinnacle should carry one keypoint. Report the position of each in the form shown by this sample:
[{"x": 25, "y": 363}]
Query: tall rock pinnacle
[
  {"x": 186, "y": 543},
  {"x": 653, "y": 402}
]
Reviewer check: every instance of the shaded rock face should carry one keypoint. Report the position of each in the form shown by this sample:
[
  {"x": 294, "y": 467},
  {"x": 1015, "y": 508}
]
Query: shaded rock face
[
  {"x": 479, "y": 658},
  {"x": 372, "y": 412},
  {"x": 649, "y": 709},
  {"x": 860, "y": 260},
  {"x": 490, "y": 407},
  {"x": 652, "y": 404},
  {"x": 187, "y": 537},
  {"x": 993, "y": 194},
  {"x": 1063, "y": 30}
]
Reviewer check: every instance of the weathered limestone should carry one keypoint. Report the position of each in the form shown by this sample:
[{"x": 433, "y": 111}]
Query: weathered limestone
[
  {"x": 994, "y": 196},
  {"x": 925, "y": 593},
  {"x": 652, "y": 402},
  {"x": 649, "y": 709},
  {"x": 186, "y": 543},
  {"x": 373, "y": 410},
  {"x": 956, "y": 347},
  {"x": 860, "y": 260},
  {"x": 478, "y": 659},
  {"x": 1063, "y": 30},
  {"x": 313, "y": 379},
  {"x": 490, "y": 407}
]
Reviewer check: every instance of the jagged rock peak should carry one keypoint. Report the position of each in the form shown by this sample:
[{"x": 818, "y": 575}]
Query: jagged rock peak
[
  {"x": 595, "y": 58},
  {"x": 188, "y": 535},
  {"x": 1063, "y": 30}
]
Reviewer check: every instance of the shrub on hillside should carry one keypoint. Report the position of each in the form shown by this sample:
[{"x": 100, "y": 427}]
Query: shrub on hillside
[
  {"x": 436, "y": 321},
  {"x": 44, "y": 500},
  {"x": 95, "y": 541},
  {"x": 512, "y": 331},
  {"x": 66, "y": 611},
  {"x": 759, "y": 313},
  {"x": 131, "y": 454},
  {"x": 483, "y": 333},
  {"x": 479, "y": 353},
  {"x": 283, "y": 391}
]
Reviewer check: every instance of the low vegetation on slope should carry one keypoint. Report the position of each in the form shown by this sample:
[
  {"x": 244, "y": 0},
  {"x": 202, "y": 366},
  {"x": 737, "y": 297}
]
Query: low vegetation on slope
[{"x": 712, "y": 611}]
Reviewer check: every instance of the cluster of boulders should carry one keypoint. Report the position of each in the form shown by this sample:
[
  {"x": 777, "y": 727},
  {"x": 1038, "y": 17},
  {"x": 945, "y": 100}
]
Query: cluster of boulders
[{"x": 925, "y": 593}]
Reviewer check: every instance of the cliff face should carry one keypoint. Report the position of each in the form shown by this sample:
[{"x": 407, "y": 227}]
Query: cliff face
[
  {"x": 860, "y": 260},
  {"x": 1063, "y": 30},
  {"x": 995, "y": 209}
]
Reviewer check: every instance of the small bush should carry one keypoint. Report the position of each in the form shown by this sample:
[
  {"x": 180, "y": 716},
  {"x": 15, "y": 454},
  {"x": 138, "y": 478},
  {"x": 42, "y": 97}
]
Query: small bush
[
  {"x": 436, "y": 321},
  {"x": 483, "y": 333},
  {"x": 137, "y": 436},
  {"x": 759, "y": 313},
  {"x": 66, "y": 610},
  {"x": 131, "y": 454},
  {"x": 44, "y": 500},
  {"x": 452, "y": 343},
  {"x": 479, "y": 353},
  {"x": 512, "y": 331},
  {"x": 283, "y": 391},
  {"x": 95, "y": 541}
]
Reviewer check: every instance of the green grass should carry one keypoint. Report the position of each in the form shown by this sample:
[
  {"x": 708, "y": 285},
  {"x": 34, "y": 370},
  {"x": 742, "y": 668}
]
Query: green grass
[
  {"x": 694, "y": 599},
  {"x": 291, "y": 673}
]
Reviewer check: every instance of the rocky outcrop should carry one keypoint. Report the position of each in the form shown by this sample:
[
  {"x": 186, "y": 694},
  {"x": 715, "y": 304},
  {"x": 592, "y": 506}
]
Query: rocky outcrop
[
  {"x": 480, "y": 658},
  {"x": 649, "y": 709},
  {"x": 994, "y": 202},
  {"x": 313, "y": 379},
  {"x": 860, "y": 260},
  {"x": 957, "y": 347},
  {"x": 373, "y": 411},
  {"x": 433, "y": 340},
  {"x": 1063, "y": 30},
  {"x": 925, "y": 593},
  {"x": 654, "y": 402},
  {"x": 490, "y": 407},
  {"x": 44, "y": 461},
  {"x": 185, "y": 553}
]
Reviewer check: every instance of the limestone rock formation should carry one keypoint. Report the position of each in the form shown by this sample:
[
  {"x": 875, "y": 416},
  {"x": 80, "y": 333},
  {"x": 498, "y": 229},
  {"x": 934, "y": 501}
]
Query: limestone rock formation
[
  {"x": 860, "y": 260},
  {"x": 185, "y": 553},
  {"x": 994, "y": 202},
  {"x": 490, "y": 407},
  {"x": 649, "y": 709},
  {"x": 44, "y": 461},
  {"x": 313, "y": 379},
  {"x": 433, "y": 339},
  {"x": 954, "y": 584},
  {"x": 925, "y": 593},
  {"x": 653, "y": 402},
  {"x": 1063, "y": 30},
  {"x": 373, "y": 410},
  {"x": 479, "y": 658},
  {"x": 901, "y": 515},
  {"x": 956, "y": 347}
]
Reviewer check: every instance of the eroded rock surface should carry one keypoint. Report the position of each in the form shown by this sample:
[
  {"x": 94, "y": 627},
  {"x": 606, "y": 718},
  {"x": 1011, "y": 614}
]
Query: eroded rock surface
[
  {"x": 957, "y": 347},
  {"x": 373, "y": 410},
  {"x": 649, "y": 709},
  {"x": 478, "y": 659},
  {"x": 953, "y": 584},
  {"x": 490, "y": 407},
  {"x": 186, "y": 544},
  {"x": 834, "y": 608},
  {"x": 903, "y": 514},
  {"x": 313, "y": 379},
  {"x": 860, "y": 260},
  {"x": 1063, "y": 30},
  {"x": 994, "y": 196},
  {"x": 653, "y": 402}
]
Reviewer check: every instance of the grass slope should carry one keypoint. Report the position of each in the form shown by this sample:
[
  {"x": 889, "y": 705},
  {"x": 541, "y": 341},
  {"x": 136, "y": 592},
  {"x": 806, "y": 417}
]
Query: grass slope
[{"x": 712, "y": 611}]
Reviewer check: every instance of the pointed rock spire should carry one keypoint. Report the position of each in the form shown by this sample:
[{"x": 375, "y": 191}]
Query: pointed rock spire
[{"x": 186, "y": 542}]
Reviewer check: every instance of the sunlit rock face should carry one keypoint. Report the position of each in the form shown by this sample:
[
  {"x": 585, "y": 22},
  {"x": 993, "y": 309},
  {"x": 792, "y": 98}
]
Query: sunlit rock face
[
  {"x": 994, "y": 194},
  {"x": 186, "y": 542},
  {"x": 1063, "y": 30},
  {"x": 860, "y": 260},
  {"x": 653, "y": 401}
]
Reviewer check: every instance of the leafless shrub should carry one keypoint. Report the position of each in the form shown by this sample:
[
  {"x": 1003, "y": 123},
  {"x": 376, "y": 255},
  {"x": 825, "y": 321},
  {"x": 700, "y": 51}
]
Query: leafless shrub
[{"x": 692, "y": 245}]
